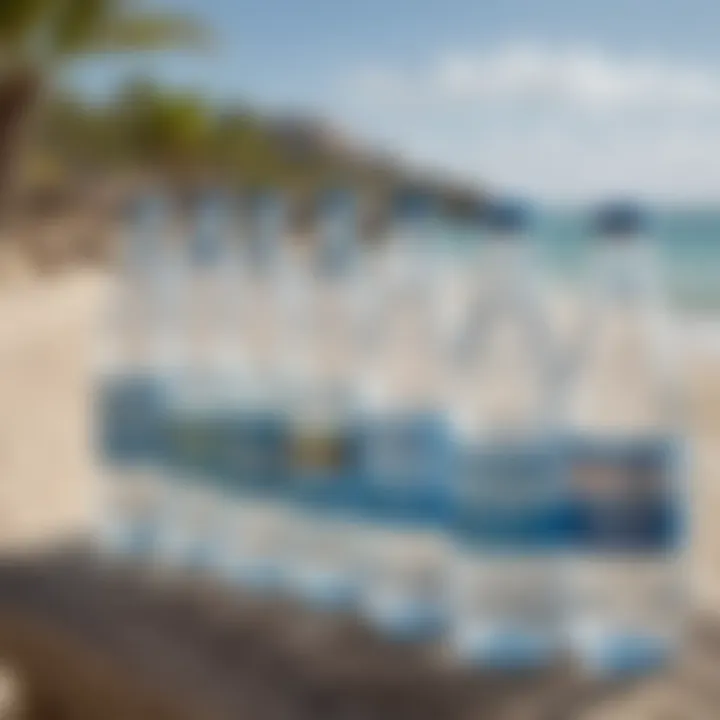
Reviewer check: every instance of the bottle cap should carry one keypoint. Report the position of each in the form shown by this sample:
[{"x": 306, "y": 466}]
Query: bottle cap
[
  {"x": 617, "y": 219},
  {"x": 338, "y": 229},
  {"x": 262, "y": 200},
  {"x": 411, "y": 204},
  {"x": 146, "y": 216},
  {"x": 145, "y": 207},
  {"x": 337, "y": 199},
  {"x": 211, "y": 226},
  {"x": 265, "y": 217},
  {"x": 507, "y": 217}
]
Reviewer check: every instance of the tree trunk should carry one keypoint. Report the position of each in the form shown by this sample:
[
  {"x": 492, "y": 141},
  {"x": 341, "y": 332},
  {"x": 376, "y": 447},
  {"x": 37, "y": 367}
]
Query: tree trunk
[{"x": 19, "y": 94}]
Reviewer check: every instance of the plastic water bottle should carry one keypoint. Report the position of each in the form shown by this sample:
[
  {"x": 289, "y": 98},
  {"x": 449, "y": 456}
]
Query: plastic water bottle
[
  {"x": 405, "y": 449},
  {"x": 626, "y": 462},
  {"x": 200, "y": 392},
  {"x": 508, "y": 506},
  {"x": 255, "y": 428},
  {"x": 129, "y": 390},
  {"x": 323, "y": 427}
]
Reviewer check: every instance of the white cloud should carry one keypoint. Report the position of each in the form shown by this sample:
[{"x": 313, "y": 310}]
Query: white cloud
[
  {"x": 580, "y": 77},
  {"x": 557, "y": 122}
]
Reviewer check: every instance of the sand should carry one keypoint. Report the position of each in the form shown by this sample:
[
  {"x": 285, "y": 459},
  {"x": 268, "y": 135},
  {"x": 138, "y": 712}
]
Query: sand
[{"x": 46, "y": 336}]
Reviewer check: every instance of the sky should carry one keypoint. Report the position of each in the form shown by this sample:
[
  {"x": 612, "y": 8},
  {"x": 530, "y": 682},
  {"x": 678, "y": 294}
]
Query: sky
[{"x": 564, "y": 100}]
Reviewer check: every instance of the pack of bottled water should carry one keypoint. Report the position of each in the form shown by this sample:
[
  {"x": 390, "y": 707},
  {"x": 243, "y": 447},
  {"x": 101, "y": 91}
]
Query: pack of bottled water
[{"x": 399, "y": 428}]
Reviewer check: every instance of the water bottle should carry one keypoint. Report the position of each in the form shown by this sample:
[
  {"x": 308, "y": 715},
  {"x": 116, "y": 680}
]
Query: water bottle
[
  {"x": 626, "y": 466},
  {"x": 323, "y": 426},
  {"x": 508, "y": 497},
  {"x": 255, "y": 456},
  {"x": 200, "y": 391},
  {"x": 405, "y": 449},
  {"x": 129, "y": 389}
]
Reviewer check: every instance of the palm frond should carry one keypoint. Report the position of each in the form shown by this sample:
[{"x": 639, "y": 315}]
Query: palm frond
[
  {"x": 79, "y": 22},
  {"x": 19, "y": 18},
  {"x": 144, "y": 31}
]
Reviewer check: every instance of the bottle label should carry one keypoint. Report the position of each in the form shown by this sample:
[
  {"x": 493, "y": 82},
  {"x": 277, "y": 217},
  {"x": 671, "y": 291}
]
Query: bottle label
[
  {"x": 239, "y": 451},
  {"x": 320, "y": 455},
  {"x": 626, "y": 495},
  {"x": 127, "y": 413},
  {"x": 192, "y": 444},
  {"x": 323, "y": 463},
  {"x": 405, "y": 463},
  {"x": 253, "y": 452},
  {"x": 510, "y": 497}
]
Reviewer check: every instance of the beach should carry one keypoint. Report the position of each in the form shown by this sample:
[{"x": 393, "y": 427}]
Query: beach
[
  {"x": 46, "y": 339},
  {"x": 47, "y": 335}
]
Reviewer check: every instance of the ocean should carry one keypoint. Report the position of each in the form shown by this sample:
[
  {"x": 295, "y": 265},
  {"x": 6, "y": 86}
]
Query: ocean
[{"x": 688, "y": 245}]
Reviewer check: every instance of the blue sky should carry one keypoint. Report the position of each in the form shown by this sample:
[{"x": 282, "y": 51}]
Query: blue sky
[{"x": 564, "y": 99}]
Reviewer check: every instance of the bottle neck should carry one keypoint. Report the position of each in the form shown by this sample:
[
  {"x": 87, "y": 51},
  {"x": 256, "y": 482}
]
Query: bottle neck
[
  {"x": 510, "y": 266},
  {"x": 625, "y": 272},
  {"x": 265, "y": 237},
  {"x": 210, "y": 237},
  {"x": 415, "y": 233},
  {"x": 337, "y": 245}
]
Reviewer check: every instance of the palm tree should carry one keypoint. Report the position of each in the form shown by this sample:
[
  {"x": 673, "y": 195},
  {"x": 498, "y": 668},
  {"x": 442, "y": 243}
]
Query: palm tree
[{"x": 40, "y": 37}]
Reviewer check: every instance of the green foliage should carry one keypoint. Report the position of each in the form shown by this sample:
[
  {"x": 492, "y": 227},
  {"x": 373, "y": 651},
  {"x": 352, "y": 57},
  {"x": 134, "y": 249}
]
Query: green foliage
[
  {"x": 146, "y": 126},
  {"x": 170, "y": 131},
  {"x": 175, "y": 132},
  {"x": 39, "y": 37},
  {"x": 42, "y": 31},
  {"x": 161, "y": 129}
]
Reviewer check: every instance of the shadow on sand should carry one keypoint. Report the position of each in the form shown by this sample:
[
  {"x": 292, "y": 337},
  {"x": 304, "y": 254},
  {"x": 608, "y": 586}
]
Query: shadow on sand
[{"x": 90, "y": 641}]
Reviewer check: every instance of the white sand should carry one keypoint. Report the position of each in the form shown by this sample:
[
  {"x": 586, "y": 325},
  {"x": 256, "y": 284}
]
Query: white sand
[{"x": 46, "y": 331}]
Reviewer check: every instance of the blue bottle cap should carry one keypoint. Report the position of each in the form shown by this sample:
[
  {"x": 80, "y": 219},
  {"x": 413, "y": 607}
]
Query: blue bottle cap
[
  {"x": 212, "y": 223},
  {"x": 146, "y": 216},
  {"x": 507, "y": 217},
  {"x": 338, "y": 229},
  {"x": 213, "y": 202},
  {"x": 263, "y": 201},
  {"x": 145, "y": 208},
  {"x": 618, "y": 219},
  {"x": 265, "y": 215},
  {"x": 337, "y": 199},
  {"x": 413, "y": 205}
]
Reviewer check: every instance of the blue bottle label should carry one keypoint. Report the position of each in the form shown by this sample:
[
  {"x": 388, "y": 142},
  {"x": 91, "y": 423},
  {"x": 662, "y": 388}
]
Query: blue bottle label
[
  {"x": 192, "y": 444},
  {"x": 626, "y": 495},
  {"x": 320, "y": 456},
  {"x": 323, "y": 463},
  {"x": 405, "y": 463},
  {"x": 254, "y": 453},
  {"x": 510, "y": 497},
  {"x": 128, "y": 419}
]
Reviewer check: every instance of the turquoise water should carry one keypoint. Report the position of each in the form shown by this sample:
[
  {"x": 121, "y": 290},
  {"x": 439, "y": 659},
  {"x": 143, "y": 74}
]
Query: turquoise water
[{"x": 688, "y": 244}]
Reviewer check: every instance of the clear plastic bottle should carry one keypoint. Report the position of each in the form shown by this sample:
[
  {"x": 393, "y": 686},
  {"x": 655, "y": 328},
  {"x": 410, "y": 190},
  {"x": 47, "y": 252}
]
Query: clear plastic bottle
[
  {"x": 129, "y": 389},
  {"x": 199, "y": 391},
  {"x": 508, "y": 500},
  {"x": 405, "y": 448},
  {"x": 323, "y": 416},
  {"x": 255, "y": 427},
  {"x": 626, "y": 460}
]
